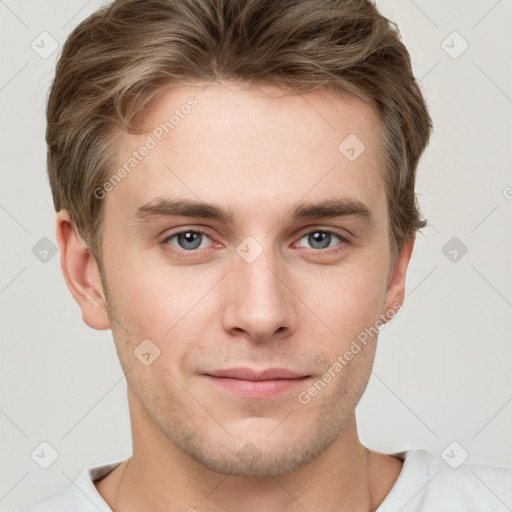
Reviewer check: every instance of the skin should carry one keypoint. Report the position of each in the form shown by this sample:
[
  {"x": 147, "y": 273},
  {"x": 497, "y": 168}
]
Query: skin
[{"x": 257, "y": 153}]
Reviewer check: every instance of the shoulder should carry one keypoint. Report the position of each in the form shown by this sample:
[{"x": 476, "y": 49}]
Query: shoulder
[
  {"x": 429, "y": 483},
  {"x": 80, "y": 496},
  {"x": 68, "y": 499}
]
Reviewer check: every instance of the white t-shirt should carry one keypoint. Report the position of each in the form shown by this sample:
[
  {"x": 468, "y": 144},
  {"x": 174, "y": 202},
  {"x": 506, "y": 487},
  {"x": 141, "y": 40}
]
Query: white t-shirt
[{"x": 425, "y": 484}]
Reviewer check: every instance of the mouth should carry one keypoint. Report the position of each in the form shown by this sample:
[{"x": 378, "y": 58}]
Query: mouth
[{"x": 265, "y": 383}]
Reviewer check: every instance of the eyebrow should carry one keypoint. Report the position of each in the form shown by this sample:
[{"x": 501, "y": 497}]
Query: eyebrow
[
  {"x": 183, "y": 208},
  {"x": 331, "y": 208}
]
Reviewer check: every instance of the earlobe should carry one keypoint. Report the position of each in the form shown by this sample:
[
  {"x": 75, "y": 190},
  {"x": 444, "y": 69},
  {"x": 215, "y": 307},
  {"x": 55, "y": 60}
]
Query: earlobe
[
  {"x": 395, "y": 291},
  {"x": 81, "y": 274}
]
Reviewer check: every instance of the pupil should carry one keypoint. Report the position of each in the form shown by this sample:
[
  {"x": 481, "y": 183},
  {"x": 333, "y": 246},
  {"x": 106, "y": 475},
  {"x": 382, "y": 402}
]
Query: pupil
[
  {"x": 320, "y": 240},
  {"x": 190, "y": 240}
]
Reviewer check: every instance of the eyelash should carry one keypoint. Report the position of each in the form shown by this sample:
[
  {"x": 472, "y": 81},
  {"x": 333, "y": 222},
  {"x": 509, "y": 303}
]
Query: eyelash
[{"x": 182, "y": 253}]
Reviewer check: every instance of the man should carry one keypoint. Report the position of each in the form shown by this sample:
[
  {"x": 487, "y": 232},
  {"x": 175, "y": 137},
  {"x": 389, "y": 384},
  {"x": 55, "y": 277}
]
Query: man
[{"x": 234, "y": 182}]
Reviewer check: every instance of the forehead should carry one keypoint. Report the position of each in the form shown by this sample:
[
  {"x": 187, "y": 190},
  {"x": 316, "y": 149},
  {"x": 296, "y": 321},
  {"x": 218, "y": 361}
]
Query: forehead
[{"x": 224, "y": 143}]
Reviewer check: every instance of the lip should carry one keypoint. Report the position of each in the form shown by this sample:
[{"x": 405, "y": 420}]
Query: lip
[
  {"x": 265, "y": 383},
  {"x": 243, "y": 373}
]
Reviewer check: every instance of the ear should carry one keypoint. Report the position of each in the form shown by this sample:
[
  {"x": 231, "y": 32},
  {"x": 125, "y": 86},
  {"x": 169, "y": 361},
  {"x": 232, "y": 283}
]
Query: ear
[
  {"x": 81, "y": 274},
  {"x": 395, "y": 291}
]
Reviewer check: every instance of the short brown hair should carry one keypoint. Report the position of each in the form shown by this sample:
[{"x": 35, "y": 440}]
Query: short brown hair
[{"x": 116, "y": 61}]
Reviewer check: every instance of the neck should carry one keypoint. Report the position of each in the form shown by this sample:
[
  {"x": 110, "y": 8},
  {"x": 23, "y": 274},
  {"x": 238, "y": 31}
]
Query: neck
[{"x": 160, "y": 476}]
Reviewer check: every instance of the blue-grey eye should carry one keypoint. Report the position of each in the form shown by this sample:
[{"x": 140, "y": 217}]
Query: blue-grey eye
[
  {"x": 189, "y": 240},
  {"x": 321, "y": 239}
]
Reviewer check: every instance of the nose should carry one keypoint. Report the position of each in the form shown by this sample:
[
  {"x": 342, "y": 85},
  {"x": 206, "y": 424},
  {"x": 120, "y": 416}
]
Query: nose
[{"x": 260, "y": 303}]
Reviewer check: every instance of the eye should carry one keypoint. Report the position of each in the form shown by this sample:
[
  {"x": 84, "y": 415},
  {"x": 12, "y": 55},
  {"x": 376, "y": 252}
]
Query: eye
[
  {"x": 322, "y": 239},
  {"x": 188, "y": 240}
]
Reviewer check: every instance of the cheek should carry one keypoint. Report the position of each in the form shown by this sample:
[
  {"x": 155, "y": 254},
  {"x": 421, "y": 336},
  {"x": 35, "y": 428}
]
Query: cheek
[
  {"x": 347, "y": 299},
  {"x": 158, "y": 301}
]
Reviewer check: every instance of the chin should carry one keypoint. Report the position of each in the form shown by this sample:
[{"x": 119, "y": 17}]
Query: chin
[
  {"x": 250, "y": 461},
  {"x": 261, "y": 456}
]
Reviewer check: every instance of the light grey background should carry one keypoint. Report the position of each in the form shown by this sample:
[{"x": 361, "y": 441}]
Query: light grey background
[{"x": 442, "y": 371}]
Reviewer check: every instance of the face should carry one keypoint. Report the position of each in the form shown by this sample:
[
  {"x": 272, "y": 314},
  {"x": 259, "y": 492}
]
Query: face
[{"x": 250, "y": 253}]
